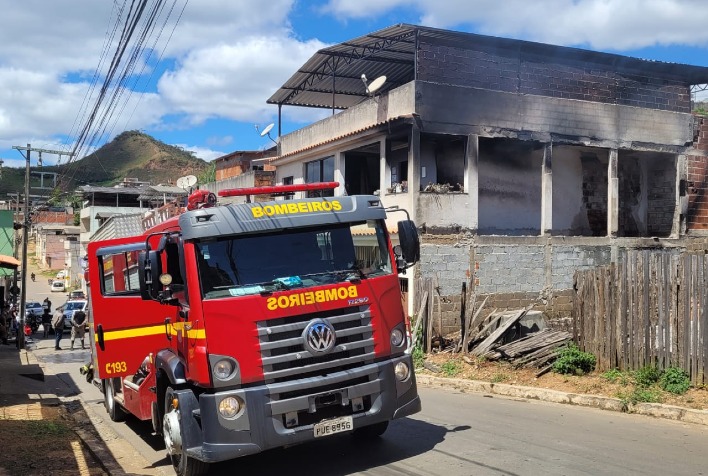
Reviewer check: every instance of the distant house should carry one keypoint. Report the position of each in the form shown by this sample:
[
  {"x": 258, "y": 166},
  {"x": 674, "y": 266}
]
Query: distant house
[{"x": 239, "y": 162}]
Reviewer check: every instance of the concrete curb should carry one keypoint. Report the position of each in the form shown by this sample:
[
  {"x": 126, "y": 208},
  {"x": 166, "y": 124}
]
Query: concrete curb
[{"x": 657, "y": 410}]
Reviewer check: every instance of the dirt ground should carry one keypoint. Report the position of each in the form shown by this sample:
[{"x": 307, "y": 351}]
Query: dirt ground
[
  {"x": 39, "y": 440},
  {"x": 622, "y": 386}
]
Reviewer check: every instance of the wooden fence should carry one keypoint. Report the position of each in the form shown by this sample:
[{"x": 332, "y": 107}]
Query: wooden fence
[{"x": 648, "y": 309}]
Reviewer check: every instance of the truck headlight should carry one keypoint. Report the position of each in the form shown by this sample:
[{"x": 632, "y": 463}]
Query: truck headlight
[
  {"x": 402, "y": 371},
  {"x": 223, "y": 369},
  {"x": 230, "y": 407},
  {"x": 397, "y": 337}
]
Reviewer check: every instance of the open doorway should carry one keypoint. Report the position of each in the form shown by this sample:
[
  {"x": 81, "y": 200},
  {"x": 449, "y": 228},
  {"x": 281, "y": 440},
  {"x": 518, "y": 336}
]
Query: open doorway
[{"x": 361, "y": 170}]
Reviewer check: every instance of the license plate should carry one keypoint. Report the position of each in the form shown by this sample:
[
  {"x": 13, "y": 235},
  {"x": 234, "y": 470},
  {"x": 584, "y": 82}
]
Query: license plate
[{"x": 336, "y": 425}]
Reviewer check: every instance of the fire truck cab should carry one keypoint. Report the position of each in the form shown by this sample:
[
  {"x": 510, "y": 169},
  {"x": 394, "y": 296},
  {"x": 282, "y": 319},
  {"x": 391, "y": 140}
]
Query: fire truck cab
[{"x": 245, "y": 327}]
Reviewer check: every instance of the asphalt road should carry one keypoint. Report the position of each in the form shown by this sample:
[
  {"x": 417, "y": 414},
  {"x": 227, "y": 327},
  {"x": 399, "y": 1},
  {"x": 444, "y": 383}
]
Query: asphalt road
[{"x": 456, "y": 434}]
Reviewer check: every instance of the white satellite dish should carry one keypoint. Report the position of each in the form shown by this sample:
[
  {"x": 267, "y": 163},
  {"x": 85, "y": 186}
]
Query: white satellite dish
[
  {"x": 267, "y": 129},
  {"x": 186, "y": 182},
  {"x": 375, "y": 85}
]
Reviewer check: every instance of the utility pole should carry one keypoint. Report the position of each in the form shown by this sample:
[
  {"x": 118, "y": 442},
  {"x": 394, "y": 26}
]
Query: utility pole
[{"x": 25, "y": 233}]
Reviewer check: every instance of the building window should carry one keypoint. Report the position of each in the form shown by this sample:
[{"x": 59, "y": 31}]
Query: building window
[
  {"x": 288, "y": 181},
  {"x": 321, "y": 170}
]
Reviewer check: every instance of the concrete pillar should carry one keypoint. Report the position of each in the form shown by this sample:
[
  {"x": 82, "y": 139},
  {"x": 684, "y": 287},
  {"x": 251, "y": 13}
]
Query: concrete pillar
[
  {"x": 547, "y": 190},
  {"x": 339, "y": 173},
  {"x": 384, "y": 168},
  {"x": 612, "y": 195},
  {"x": 414, "y": 171},
  {"x": 471, "y": 183}
]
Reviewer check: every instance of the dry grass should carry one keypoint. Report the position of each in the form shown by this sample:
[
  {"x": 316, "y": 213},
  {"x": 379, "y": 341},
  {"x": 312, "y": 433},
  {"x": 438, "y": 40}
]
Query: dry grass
[{"x": 596, "y": 383}]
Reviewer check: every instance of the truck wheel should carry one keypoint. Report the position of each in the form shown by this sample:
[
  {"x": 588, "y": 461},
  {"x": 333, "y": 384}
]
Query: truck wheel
[
  {"x": 371, "y": 431},
  {"x": 109, "y": 400},
  {"x": 183, "y": 464}
]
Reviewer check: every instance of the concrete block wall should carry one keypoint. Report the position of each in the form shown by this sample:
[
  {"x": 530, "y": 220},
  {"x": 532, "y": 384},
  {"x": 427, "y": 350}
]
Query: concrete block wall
[
  {"x": 562, "y": 77},
  {"x": 566, "y": 259},
  {"x": 512, "y": 276},
  {"x": 697, "y": 190},
  {"x": 661, "y": 198},
  {"x": 450, "y": 264},
  {"x": 509, "y": 268}
]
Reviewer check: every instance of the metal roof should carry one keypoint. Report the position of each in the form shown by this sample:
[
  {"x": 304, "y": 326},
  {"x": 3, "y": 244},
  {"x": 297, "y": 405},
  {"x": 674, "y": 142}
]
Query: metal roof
[{"x": 332, "y": 77}]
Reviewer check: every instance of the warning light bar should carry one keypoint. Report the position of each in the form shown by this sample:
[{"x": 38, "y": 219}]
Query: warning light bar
[{"x": 278, "y": 189}]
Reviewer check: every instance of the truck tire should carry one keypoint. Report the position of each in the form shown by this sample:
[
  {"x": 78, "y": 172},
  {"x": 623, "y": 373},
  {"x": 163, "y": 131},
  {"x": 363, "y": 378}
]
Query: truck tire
[
  {"x": 113, "y": 408},
  {"x": 371, "y": 431},
  {"x": 183, "y": 464}
]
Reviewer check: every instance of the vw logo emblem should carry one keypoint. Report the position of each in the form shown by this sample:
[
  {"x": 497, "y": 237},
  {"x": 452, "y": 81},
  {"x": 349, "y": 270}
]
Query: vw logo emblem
[{"x": 318, "y": 337}]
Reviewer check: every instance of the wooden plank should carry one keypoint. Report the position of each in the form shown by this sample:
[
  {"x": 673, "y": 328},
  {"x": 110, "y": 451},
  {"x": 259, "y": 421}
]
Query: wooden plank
[
  {"x": 675, "y": 311},
  {"x": 632, "y": 295},
  {"x": 646, "y": 308},
  {"x": 463, "y": 327},
  {"x": 429, "y": 315},
  {"x": 475, "y": 322},
  {"x": 686, "y": 315},
  {"x": 623, "y": 339},
  {"x": 661, "y": 311},
  {"x": 485, "y": 345},
  {"x": 701, "y": 330},
  {"x": 612, "y": 317},
  {"x": 419, "y": 318}
]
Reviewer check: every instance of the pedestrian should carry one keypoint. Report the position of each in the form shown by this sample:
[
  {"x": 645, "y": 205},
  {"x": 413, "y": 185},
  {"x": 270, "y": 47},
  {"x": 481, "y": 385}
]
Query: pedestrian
[
  {"x": 46, "y": 322},
  {"x": 58, "y": 326},
  {"x": 47, "y": 305},
  {"x": 78, "y": 327}
]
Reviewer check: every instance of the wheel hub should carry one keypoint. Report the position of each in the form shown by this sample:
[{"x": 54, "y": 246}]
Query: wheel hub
[{"x": 171, "y": 433}]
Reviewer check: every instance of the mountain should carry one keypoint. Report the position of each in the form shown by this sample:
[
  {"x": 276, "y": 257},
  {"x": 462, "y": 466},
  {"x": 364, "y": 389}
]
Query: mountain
[{"x": 131, "y": 154}]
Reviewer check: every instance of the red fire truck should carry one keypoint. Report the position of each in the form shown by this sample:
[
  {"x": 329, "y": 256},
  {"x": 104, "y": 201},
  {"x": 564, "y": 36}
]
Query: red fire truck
[{"x": 243, "y": 327}]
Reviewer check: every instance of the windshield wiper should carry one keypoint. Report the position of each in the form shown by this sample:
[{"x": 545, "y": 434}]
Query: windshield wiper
[{"x": 339, "y": 272}]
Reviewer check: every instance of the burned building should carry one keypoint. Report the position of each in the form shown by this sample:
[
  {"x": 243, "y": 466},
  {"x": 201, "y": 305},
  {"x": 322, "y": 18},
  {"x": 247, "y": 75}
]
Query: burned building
[{"x": 521, "y": 162}]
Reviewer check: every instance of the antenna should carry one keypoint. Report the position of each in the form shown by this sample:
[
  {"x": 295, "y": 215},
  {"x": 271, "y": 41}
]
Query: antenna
[
  {"x": 266, "y": 132},
  {"x": 186, "y": 182},
  {"x": 375, "y": 84}
]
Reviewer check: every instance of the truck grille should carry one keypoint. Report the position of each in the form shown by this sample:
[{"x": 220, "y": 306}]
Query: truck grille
[{"x": 284, "y": 356}]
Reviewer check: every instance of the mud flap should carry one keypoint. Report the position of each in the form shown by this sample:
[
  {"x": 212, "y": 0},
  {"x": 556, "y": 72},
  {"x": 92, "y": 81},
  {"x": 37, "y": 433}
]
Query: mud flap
[{"x": 189, "y": 422}]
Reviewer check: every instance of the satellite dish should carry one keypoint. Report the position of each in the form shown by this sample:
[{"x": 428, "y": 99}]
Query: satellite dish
[
  {"x": 186, "y": 182},
  {"x": 267, "y": 129},
  {"x": 375, "y": 85}
]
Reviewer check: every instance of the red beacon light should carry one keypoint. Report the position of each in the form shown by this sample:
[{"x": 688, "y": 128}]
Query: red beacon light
[{"x": 277, "y": 189}]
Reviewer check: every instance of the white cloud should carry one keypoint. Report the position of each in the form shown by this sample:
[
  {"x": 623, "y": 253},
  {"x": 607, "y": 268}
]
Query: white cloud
[
  {"x": 234, "y": 81},
  {"x": 598, "y": 24},
  {"x": 202, "y": 152}
]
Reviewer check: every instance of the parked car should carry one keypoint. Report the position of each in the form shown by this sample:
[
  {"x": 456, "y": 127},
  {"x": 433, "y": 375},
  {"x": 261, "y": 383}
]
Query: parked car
[
  {"x": 58, "y": 285},
  {"x": 34, "y": 307},
  {"x": 76, "y": 294},
  {"x": 69, "y": 308},
  {"x": 61, "y": 274}
]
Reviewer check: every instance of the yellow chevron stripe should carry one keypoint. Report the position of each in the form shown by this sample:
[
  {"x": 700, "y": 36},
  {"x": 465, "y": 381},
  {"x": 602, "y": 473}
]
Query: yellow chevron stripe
[{"x": 151, "y": 331}]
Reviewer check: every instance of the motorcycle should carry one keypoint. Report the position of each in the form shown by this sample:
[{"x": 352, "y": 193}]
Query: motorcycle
[{"x": 32, "y": 321}]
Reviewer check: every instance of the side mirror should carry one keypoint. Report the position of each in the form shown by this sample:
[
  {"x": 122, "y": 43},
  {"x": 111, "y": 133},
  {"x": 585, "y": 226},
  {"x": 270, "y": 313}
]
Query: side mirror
[
  {"x": 149, "y": 270},
  {"x": 409, "y": 242}
]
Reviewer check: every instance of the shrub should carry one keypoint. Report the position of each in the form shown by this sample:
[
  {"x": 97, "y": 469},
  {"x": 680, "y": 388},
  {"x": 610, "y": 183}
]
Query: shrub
[
  {"x": 450, "y": 368},
  {"x": 574, "y": 361},
  {"x": 612, "y": 375},
  {"x": 647, "y": 376},
  {"x": 418, "y": 356},
  {"x": 675, "y": 380}
]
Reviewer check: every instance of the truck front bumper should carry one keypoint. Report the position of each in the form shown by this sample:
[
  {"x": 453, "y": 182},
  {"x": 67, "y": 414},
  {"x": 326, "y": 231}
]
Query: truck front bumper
[{"x": 282, "y": 414}]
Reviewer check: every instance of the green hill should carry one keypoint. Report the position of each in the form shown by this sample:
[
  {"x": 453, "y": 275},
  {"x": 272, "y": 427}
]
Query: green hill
[{"x": 131, "y": 154}]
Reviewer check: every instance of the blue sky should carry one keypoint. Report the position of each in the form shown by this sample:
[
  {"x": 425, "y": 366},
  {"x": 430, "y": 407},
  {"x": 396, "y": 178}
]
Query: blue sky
[{"x": 205, "y": 86}]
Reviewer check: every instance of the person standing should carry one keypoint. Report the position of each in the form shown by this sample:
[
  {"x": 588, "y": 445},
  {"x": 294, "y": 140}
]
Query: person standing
[
  {"x": 78, "y": 327},
  {"x": 46, "y": 321},
  {"x": 58, "y": 325}
]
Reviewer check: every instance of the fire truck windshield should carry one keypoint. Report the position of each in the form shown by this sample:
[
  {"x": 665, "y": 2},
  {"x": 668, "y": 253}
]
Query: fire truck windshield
[{"x": 253, "y": 264}]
